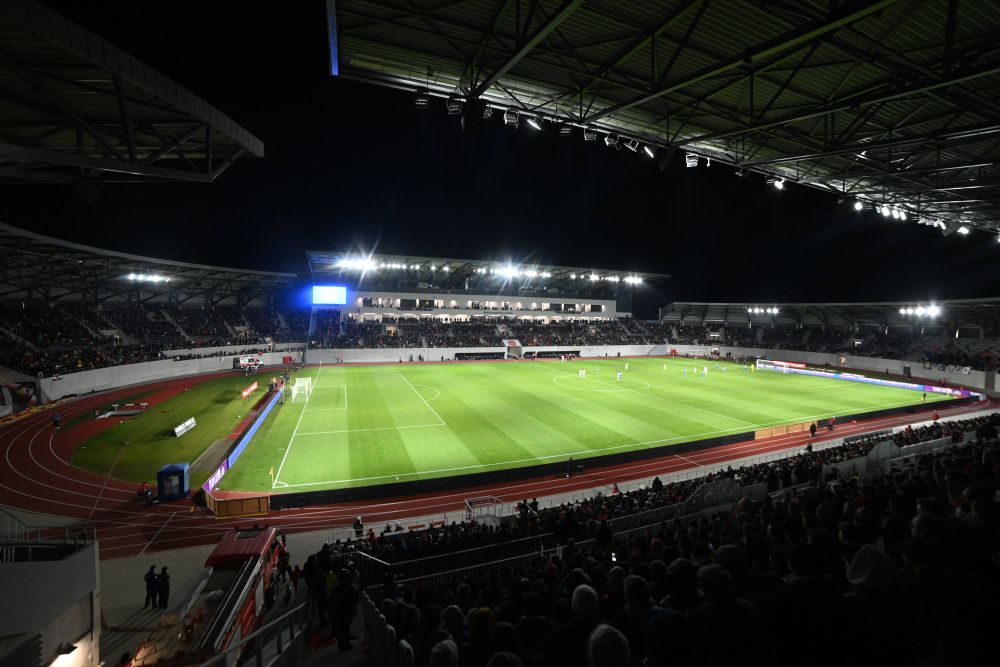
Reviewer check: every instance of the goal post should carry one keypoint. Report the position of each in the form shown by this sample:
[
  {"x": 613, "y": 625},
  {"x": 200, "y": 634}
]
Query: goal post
[{"x": 301, "y": 390}]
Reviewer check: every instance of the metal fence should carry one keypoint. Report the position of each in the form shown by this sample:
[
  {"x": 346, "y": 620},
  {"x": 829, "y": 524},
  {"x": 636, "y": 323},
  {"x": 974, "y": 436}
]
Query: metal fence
[
  {"x": 373, "y": 569},
  {"x": 20, "y": 542},
  {"x": 280, "y": 643}
]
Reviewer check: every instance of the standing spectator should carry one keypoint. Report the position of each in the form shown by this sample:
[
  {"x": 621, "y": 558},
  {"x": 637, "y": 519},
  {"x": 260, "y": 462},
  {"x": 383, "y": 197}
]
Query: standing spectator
[
  {"x": 812, "y": 430},
  {"x": 163, "y": 588},
  {"x": 359, "y": 528},
  {"x": 150, "y": 578},
  {"x": 56, "y": 420},
  {"x": 345, "y": 605}
]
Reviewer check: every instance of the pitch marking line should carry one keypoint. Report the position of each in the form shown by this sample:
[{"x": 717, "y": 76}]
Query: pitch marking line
[
  {"x": 281, "y": 465},
  {"x": 330, "y": 386},
  {"x": 437, "y": 394},
  {"x": 666, "y": 400},
  {"x": 431, "y": 407},
  {"x": 364, "y": 430},
  {"x": 693, "y": 436}
]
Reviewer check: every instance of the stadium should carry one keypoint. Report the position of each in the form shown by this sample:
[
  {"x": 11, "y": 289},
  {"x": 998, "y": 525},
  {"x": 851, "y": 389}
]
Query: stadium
[{"x": 446, "y": 408}]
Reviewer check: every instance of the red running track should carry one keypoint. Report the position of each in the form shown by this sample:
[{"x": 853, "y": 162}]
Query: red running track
[{"x": 36, "y": 476}]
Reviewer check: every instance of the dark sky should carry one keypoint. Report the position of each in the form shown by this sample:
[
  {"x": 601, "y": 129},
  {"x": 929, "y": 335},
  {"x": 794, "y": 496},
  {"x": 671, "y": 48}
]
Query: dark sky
[{"x": 349, "y": 165}]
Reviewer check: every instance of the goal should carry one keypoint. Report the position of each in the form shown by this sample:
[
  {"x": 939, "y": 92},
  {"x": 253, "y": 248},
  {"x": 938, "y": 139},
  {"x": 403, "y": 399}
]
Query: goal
[{"x": 301, "y": 390}]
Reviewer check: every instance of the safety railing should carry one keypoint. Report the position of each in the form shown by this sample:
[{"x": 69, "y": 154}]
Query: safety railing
[
  {"x": 373, "y": 569},
  {"x": 279, "y": 643},
  {"x": 490, "y": 567}
]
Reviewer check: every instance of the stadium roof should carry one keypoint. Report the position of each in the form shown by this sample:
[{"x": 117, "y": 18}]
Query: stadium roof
[
  {"x": 443, "y": 274},
  {"x": 75, "y": 108},
  {"x": 984, "y": 313},
  {"x": 40, "y": 267},
  {"x": 889, "y": 102}
]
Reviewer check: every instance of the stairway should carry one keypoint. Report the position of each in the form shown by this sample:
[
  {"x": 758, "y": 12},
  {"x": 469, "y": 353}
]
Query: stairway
[
  {"x": 170, "y": 318},
  {"x": 13, "y": 336}
]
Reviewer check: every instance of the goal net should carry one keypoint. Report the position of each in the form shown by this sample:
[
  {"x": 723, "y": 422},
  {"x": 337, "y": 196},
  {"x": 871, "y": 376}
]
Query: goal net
[{"x": 301, "y": 390}]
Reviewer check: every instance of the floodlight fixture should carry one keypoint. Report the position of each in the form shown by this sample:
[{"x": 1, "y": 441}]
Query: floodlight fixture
[
  {"x": 612, "y": 140},
  {"x": 648, "y": 151},
  {"x": 894, "y": 213},
  {"x": 357, "y": 264},
  {"x": 902, "y": 311},
  {"x": 933, "y": 310},
  {"x": 884, "y": 211},
  {"x": 447, "y": 269},
  {"x": 534, "y": 123},
  {"x": 691, "y": 160},
  {"x": 510, "y": 117},
  {"x": 546, "y": 274},
  {"x": 594, "y": 277},
  {"x": 421, "y": 99},
  {"x": 858, "y": 206},
  {"x": 454, "y": 105},
  {"x": 963, "y": 230},
  {"x": 632, "y": 145},
  {"x": 779, "y": 184},
  {"x": 488, "y": 113},
  {"x": 921, "y": 310},
  {"x": 589, "y": 135},
  {"x": 902, "y": 215},
  {"x": 565, "y": 130},
  {"x": 572, "y": 276}
]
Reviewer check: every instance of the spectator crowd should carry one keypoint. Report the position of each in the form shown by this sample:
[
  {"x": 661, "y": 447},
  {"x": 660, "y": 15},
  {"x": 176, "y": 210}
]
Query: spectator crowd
[{"x": 895, "y": 567}]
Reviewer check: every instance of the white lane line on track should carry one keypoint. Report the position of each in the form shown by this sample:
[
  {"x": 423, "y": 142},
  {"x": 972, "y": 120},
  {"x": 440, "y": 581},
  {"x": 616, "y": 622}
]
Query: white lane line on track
[
  {"x": 106, "y": 478},
  {"x": 481, "y": 466},
  {"x": 157, "y": 534},
  {"x": 684, "y": 458},
  {"x": 772, "y": 443}
]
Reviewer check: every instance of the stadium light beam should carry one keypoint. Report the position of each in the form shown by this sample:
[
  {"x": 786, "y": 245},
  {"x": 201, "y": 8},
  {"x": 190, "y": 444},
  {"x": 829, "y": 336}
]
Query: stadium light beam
[{"x": 648, "y": 151}]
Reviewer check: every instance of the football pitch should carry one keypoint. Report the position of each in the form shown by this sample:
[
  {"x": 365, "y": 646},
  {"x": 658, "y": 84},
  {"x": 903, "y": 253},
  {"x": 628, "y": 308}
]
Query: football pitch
[{"x": 367, "y": 425}]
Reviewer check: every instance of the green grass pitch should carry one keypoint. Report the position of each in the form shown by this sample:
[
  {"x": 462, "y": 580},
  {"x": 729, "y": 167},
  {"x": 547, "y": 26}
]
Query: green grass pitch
[
  {"x": 136, "y": 449},
  {"x": 381, "y": 424}
]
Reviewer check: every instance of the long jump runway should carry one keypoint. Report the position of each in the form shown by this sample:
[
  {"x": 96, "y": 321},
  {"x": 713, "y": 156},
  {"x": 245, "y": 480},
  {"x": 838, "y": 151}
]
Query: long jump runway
[{"x": 35, "y": 476}]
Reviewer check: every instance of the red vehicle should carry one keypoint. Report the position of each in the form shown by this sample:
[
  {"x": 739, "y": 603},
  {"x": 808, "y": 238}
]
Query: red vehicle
[{"x": 226, "y": 606}]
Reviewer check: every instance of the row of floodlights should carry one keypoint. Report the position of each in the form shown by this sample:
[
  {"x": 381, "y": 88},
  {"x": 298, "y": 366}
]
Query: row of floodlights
[
  {"x": 514, "y": 272},
  {"x": 369, "y": 264},
  {"x": 513, "y": 117},
  {"x": 147, "y": 278},
  {"x": 921, "y": 311},
  {"x": 899, "y": 214},
  {"x": 757, "y": 310},
  {"x": 506, "y": 271}
]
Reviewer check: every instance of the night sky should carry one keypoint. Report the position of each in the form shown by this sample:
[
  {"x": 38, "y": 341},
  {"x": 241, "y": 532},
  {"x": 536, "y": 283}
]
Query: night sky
[{"x": 354, "y": 166}]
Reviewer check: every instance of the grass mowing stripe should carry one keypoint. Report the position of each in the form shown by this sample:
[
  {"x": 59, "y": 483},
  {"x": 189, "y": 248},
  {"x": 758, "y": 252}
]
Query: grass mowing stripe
[{"x": 288, "y": 448}]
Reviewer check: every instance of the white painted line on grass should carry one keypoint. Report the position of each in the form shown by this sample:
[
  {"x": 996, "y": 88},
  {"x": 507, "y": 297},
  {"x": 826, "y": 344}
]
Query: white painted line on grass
[
  {"x": 422, "y": 399},
  {"x": 598, "y": 452},
  {"x": 362, "y": 430},
  {"x": 666, "y": 400},
  {"x": 296, "y": 430}
]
